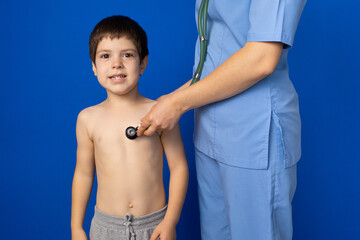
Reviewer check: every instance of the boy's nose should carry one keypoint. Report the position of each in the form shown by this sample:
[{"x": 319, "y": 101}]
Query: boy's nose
[{"x": 117, "y": 64}]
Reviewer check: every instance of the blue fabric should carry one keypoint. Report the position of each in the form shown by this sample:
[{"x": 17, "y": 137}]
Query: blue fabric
[
  {"x": 235, "y": 131},
  {"x": 239, "y": 203}
]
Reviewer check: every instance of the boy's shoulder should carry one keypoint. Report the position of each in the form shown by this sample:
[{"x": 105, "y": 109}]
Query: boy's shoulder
[
  {"x": 145, "y": 104},
  {"x": 148, "y": 102},
  {"x": 90, "y": 112}
]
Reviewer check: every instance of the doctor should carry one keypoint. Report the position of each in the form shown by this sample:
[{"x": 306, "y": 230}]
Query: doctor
[{"x": 247, "y": 122}]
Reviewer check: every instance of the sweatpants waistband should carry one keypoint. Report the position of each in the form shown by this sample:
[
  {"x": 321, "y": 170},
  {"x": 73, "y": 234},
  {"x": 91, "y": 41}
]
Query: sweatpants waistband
[{"x": 122, "y": 223}]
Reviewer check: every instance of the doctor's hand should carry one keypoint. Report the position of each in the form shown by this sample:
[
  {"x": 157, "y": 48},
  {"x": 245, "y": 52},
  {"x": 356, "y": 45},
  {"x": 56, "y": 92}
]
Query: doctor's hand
[{"x": 163, "y": 116}]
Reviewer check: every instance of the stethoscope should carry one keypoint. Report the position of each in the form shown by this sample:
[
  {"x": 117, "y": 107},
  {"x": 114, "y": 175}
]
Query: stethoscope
[{"x": 131, "y": 132}]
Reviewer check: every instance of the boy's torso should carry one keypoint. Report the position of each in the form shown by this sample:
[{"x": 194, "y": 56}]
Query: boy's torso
[{"x": 129, "y": 172}]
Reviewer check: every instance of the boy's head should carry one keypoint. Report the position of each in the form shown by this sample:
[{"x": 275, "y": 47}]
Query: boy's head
[{"x": 117, "y": 27}]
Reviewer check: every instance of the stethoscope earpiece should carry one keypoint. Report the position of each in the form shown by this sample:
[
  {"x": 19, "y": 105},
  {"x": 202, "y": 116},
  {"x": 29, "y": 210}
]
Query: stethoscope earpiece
[{"x": 130, "y": 132}]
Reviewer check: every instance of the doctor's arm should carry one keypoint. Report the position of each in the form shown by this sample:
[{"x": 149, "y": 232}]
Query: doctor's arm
[{"x": 243, "y": 69}]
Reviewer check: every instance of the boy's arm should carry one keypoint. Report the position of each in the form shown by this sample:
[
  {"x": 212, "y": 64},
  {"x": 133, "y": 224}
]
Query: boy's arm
[
  {"x": 83, "y": 177},
  {"x": 179, "y": 175}
]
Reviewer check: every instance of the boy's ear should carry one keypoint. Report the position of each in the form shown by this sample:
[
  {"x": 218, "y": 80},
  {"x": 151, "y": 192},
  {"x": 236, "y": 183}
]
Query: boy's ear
[
  {"x": 94, "y": 68},
  {"x": 143, "y": 64}
]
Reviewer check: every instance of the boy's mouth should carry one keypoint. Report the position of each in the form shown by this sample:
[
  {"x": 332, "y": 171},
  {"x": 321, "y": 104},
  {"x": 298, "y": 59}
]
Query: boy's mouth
[{"x": 118, "y": 76}]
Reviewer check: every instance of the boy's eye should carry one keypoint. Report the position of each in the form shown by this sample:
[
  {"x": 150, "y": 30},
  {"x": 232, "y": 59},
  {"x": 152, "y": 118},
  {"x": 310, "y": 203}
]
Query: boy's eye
[
  {"x": 128, "y": 55},
  {"x": 104, "y": 55}
]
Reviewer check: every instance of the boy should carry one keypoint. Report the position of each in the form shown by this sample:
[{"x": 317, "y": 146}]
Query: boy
[{"x": 130, "y": 200}]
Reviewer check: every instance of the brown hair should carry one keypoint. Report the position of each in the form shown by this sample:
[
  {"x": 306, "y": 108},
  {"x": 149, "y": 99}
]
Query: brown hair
[{"x": 117, "y": 27}]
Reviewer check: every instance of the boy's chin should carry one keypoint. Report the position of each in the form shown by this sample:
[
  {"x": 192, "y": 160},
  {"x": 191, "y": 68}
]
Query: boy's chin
[{"x": 122, "y": 92}]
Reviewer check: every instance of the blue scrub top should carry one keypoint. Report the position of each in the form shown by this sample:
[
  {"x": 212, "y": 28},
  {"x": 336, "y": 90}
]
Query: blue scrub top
[{"x": 235, "y": 131}]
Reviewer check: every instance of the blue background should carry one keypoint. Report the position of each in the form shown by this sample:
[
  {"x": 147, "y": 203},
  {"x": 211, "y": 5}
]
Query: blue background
[{"x": 46, "y": 80}]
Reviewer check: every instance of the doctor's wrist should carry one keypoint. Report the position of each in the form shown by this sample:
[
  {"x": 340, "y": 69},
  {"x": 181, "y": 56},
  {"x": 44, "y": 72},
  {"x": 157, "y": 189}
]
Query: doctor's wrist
[{"x": 179, "y": 103}]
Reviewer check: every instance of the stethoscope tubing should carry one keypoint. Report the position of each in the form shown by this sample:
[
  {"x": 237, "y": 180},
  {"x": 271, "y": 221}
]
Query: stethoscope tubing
[{"x": 202, "y": 29}]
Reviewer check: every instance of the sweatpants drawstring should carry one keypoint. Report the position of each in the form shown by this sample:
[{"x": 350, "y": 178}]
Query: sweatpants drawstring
[{"x": 130, "y": 234}]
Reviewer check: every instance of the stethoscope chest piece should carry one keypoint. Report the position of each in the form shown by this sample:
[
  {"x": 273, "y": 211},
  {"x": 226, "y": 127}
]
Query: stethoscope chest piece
[{"x": 130, "y": 132}]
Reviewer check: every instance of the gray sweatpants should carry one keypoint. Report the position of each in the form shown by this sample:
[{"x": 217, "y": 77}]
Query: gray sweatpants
[{"x": 108, "y": 227}]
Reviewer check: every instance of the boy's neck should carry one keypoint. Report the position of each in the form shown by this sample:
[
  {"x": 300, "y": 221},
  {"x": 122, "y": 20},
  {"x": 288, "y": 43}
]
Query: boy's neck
[{"x": 130, "y": 98}]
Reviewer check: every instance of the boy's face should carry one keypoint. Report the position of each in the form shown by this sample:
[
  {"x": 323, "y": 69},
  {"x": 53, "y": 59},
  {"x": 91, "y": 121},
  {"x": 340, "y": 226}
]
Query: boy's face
[{"x": 117, "y": 65}]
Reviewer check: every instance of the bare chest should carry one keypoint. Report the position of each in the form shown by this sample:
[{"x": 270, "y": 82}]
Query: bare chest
[{"x": 112, "y": 145}]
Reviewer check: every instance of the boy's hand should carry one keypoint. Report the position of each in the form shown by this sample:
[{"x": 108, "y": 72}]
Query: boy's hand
[
  {"x": 78, "y": 234},
  {"x": 164, "y": 231}
]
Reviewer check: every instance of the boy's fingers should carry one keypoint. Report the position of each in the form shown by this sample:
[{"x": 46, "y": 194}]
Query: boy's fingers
[{"x": 155, "y": 235}]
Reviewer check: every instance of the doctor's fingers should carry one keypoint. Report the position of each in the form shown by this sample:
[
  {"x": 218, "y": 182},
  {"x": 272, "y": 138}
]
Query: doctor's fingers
[
  {"x": 149, "y": 131},
  {"x": 144, "y": 125},
  {"x": 148, "y": 126},
  {"x": 157, "y": 125}
]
